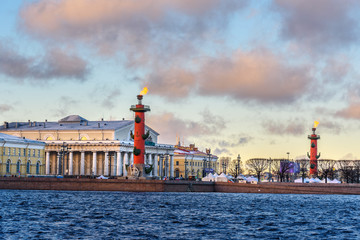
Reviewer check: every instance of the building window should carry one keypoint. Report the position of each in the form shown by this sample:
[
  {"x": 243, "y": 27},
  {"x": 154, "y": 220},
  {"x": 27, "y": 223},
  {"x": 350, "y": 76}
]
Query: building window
[
  {"x": 24, "y": 152},
  {"x": 18, "y": 167},
  {"x": 177, "y": 163},
  {"x": 38, "y": 153},
  {"x": 19, "y": 152},
  {"x": 38, "y": 168},
  {"x": 4, "y": 152},
  {"x": 28, "y": 167},
  {"x": 14, "y": 151},
  {"x": 29, "y": 152},
  {"x": 34, "y": 153},
  {"x": 8, "y": 166},
  {"x": 9, "y": 151}
]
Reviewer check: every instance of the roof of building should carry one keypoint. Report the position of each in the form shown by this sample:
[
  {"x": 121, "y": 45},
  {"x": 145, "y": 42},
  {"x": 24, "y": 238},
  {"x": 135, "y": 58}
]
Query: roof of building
[
  {"x": 9, "y": 138},
  {"x": 181, "y": 150},
  {"x": 72, "y": 122}
]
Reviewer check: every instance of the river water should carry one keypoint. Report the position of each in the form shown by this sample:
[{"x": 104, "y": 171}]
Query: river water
[{"x": 122, "y": 215}]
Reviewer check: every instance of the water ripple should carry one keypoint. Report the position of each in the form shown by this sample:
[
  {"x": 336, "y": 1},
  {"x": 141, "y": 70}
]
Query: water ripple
[{"x": 119, "y": 215}]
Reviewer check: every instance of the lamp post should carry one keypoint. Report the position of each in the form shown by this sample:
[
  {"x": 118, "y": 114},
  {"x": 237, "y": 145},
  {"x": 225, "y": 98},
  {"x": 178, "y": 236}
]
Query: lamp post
[
  {"x": 288, "y": 155},
  {"x": 64, "y": 149},
  {"x": 238, "y": 165},
  {"x": 224, "y": 166},
  {"x": 204, "y": 166},
  {"x": 186, "y": 165},
  {"x": 208, "y": 152}
]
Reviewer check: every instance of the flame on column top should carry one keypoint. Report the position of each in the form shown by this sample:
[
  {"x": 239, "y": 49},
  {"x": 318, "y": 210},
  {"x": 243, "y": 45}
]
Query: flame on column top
[
  {"x": 144, "y": 91},
  {"x": 316, "y": 123}
]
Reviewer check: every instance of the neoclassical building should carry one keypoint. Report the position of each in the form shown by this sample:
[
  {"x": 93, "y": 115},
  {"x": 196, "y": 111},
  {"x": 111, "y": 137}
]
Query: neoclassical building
[
  {"x": 191, "y": 162},
  {"x": 78, "y": 147},
  {"x": 21, "y": 156}
]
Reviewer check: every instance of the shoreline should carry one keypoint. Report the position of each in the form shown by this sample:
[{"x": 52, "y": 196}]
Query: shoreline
[{"x": 128, "y": 185}]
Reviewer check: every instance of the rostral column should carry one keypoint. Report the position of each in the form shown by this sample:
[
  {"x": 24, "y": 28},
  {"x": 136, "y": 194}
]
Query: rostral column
[
  {"x": 139, "y": 134},
  {"x": 313, "y": 151}
]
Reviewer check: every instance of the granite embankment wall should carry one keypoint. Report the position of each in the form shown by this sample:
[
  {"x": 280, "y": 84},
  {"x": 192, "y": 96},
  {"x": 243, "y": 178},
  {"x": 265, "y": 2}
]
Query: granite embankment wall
[{"x": 128, "y": 185}]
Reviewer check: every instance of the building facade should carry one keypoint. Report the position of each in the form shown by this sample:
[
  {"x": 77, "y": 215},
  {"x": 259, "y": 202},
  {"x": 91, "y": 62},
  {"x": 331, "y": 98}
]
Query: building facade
[
  {"x": 190, "y": 162},
  {"x": 21, "y": 156},
  {"x": 78, "y": 147}
]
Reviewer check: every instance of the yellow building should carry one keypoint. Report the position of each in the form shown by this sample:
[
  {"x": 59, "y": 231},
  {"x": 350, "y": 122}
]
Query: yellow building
[
  {"x": 76, "y": 146},
  {"x": 190, "y": 162},
  {"x": 21, "y": 157}
]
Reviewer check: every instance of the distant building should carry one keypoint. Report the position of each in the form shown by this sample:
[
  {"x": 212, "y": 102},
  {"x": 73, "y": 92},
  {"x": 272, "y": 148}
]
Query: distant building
[
  {"x": 20, "y": 156},
  {"x": 191, "y": 162},
  {"x": 76, "y": 146}
]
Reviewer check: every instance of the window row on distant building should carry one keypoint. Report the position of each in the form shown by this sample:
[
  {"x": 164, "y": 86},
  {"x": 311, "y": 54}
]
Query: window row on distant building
[{"x": 7, "y": 151}]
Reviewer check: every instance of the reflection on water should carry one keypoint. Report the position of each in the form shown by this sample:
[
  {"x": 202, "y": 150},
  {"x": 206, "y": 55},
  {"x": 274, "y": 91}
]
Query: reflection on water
[{"x": 119, "y": 215}]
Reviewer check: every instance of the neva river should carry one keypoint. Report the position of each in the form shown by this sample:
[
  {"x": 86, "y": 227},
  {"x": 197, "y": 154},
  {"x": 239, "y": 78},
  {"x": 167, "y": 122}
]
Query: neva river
[{"x": 119, "y": 215}]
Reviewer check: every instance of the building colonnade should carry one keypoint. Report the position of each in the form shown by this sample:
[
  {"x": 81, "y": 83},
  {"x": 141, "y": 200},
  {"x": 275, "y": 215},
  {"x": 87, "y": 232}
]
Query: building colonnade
[{"x": 113, "y": 160}]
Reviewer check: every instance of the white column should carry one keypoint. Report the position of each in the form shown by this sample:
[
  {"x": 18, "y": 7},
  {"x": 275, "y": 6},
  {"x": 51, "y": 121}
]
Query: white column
[
  {"x": 70, "y": 163},
  {"x": 166, "y": 166},
  {"x": 94, "y": 163},
  {"x": 161, "y": 161},
  {"x": 118, "y": 164},
  {"x": 125, "y": 162},
  {"x": 114, "y": 165},
  {"x": 156, "y": 165},
  {"x": 131, "y": 158},
  {"x": 171, "y": 166},
  {"x": 151, "y": 163},
  {"x": 106, "y": 167},
  {"x": 58, "y": 163},
  {"x": 47, "y": 163},
  {"x": 82, "y": 163}
]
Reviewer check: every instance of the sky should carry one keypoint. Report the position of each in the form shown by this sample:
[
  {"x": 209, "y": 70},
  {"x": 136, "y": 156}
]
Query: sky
[{"x": 239, "y": 77}]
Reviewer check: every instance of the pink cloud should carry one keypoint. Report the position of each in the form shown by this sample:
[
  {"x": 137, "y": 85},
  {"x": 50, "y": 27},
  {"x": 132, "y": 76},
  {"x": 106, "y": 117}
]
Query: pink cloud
[
  {"x": 293, "y": 127},
  {"x": 318, "y": 25},
  {"x": 350, "y": 112},
  {"x": 171, "y": 126},
  {"x": 254, "y": 75},
  {"x": 55, "y": 64},
  {"x": 139, "y": 29}
]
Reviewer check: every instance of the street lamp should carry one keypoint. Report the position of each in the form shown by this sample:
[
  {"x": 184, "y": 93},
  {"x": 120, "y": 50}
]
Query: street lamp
[
  {"x": 64, "y": 149},
  {"x": 208, "y": 152},
  {"x": 204, "y": 166},
  {"x": 288, "y": 155}
]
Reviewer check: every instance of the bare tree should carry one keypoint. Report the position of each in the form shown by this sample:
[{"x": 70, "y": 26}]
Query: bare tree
[
  {"x": 224, "y": 163},
  {"x": 356, "y": 164},
  {"x": 345, "y": 167},
  {"x": 281, "y": 167},
  {"x": 304, "y": 166},
  {"x": 326, "y": 168},
  {"x": 257, "y": 165}
]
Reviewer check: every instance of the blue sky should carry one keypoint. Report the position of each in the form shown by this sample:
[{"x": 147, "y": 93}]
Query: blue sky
[{"x": 240, "y": 77}]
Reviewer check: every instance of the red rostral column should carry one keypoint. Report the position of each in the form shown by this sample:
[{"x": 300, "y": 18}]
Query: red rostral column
[
  {"x": 139, "y": 134},
  {"x": 313, "y": 152}
]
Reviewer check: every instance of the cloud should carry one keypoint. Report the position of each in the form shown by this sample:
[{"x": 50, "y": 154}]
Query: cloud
[
  {"x": 142, "y": 30},
  {"x": 5, "y": 108},
  {"x": 171, "y": 126},
  {"x": 236, "y": 141},
  {"x": 334, "y": 127},
  {"x": 110, "y": 98},
  {"x": 254, "y": 75},
  {"x": 173, "y": 83},
  {"x": 64, "y": 107},
  {"x": 219, "y": 151},
  {"x": 292, "y": 127},
  {"x": 55, "y": 64},
  {"x": 322, "y": 25},
  {"x": 350, "y": 112}
]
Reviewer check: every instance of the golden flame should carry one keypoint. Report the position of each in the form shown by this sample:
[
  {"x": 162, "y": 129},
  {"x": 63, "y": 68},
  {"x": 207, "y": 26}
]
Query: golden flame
[
  {"x": 316, "y": 123},
  {"x": 144, "y": 91}
]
